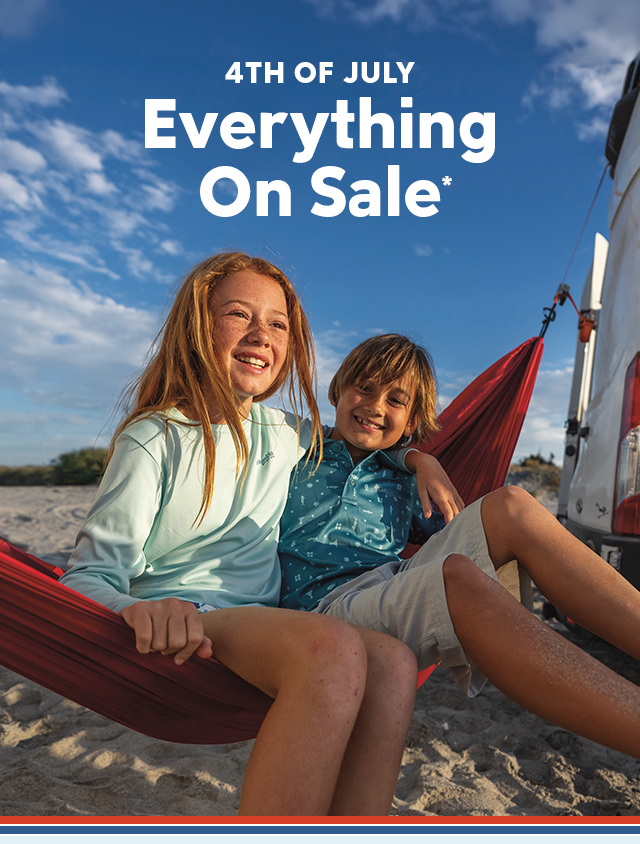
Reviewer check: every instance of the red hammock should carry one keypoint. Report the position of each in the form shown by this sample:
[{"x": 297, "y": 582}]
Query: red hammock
[
  {"x": 481, "y": 426},
  {"x": 85, "y": 652},
  {"x": 80, "y": 649}
]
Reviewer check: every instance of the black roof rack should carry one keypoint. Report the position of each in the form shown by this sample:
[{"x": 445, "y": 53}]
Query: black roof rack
[{"x": 622, "y": 113}]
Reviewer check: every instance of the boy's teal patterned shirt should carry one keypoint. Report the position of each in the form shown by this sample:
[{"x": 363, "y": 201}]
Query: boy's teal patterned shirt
[{"x": 344, "y": 520}]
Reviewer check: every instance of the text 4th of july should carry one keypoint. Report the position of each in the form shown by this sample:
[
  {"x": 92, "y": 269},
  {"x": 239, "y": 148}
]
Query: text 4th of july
[{"x": 254, "y": 72}]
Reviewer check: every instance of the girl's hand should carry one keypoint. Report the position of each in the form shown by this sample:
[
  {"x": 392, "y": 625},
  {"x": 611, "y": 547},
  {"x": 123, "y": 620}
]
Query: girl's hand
[
  {"x": 169, "y": 626},
  {"x": 434, "y": 485}
]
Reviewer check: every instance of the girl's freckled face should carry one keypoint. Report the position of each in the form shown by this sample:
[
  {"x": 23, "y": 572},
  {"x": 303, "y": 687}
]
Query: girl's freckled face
[{"x": 251, "y": 331}]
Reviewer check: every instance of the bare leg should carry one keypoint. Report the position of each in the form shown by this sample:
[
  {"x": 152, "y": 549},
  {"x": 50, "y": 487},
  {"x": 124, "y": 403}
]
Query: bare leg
[
  {"x": 536, "y": 667},
  {"x": 574, "y": 578},
  {"x": 316, "y": 669},
  {"x": 369, "y": 772}
]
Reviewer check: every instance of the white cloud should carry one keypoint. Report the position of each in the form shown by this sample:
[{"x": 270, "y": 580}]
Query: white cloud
[
  {"x": 77, "y": 195},
  {"x": 137, "y": 264},
  {"x": 556, "y": 97},
  {"x": 418, "y": 12},
  {"x": 601, "y": 85},
  {"x": 588, "y": 42},
  {"x": 13, "y": 192},
  {"x": 171, "y": 247},
  {"x": 380, "y": 10},
  {"x": 84, "y": 255},
  {"x": 49, "y": 93},
  {"x": 122, "y": 222},
  {"x": 331, "y": 347},
  {"x": 62, "y": 344},
  {"x": 226, "y": 187},
  {"x": 87, "y": 200},
  {"x": 70, "y": 144},
  {"x": 16, "y": 156},
  {"x": 18, "y": 19},
  {"x": 159, "y": 196},
  {"x": 116, "y": 145},
  {"x": 543, "y": 429},
  {"x": 594, "y": 129},
  {"x": 422, "y": 250},
  {"x": 98, "y": 184}
]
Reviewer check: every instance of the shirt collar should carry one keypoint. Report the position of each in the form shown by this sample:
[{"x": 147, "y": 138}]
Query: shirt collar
[{"x": 339, "y": 447}]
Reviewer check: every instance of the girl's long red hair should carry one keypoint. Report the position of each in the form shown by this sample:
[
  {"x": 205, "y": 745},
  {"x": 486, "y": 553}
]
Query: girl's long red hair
[{"x": 184, "y": 370}]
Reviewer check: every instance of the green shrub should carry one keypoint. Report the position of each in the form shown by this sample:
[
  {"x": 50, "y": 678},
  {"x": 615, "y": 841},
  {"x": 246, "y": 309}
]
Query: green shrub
[
  {"x": 84, "y": 466},
  {"x": 536, "y": 460},
  {"x": 26, "y": 475}
]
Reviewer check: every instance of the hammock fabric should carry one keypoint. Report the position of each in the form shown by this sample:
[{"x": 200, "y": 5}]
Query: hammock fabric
[
  {"x": 85, "y": 652},
  {"x": 481, "y": 426}
]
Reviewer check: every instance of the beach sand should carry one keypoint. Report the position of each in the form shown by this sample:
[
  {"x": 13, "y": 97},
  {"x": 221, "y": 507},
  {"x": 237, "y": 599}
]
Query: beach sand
[{"x": 485, "y": 756}]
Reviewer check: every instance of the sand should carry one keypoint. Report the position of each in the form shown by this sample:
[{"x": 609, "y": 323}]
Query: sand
[{"x": 485, "y": 756}]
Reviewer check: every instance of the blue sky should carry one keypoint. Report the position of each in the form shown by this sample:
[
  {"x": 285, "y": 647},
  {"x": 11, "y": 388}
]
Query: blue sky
[{"x": 95, "y": 228}]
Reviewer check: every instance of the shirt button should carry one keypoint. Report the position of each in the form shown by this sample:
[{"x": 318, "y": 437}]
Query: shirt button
[{"x": 352, "y": 481}]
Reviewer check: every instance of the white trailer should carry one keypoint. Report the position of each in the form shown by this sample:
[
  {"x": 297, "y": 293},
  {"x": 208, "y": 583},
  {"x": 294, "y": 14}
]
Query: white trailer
[{"x": 599, "y": 497}]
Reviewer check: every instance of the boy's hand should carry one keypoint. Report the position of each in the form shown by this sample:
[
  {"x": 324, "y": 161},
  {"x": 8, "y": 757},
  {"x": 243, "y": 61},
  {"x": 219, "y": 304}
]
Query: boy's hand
[
  {"x": 169, "y": 626},
  {"x": 434, "y": 485}
]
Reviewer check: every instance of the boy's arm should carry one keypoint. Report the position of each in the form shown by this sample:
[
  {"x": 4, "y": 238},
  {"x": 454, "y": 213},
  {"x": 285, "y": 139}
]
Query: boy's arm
[
  {"x": 422, "y": 527},
  {"x": 433, "y": 484}
]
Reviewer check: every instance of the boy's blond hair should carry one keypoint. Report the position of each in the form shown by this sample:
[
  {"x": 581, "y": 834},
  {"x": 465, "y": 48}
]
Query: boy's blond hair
[{"x": 387, "y": 358}]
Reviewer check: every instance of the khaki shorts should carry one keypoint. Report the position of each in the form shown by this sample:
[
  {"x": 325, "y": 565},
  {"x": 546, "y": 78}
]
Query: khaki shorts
[{"x": 406, "y": 598}]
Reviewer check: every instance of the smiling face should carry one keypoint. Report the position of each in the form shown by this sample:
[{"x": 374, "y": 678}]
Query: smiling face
[
  {"x": 370, "y": 417},
  {"x": 251, "y": 332}
]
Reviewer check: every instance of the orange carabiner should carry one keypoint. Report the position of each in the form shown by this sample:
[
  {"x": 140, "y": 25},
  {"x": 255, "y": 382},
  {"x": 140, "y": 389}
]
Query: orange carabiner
[{"x": 585, "y": 327}]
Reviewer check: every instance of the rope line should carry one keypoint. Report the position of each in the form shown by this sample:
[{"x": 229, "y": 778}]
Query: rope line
[
  {"x": 584, "y": 225},
  {"x": 562, "y": 294}
]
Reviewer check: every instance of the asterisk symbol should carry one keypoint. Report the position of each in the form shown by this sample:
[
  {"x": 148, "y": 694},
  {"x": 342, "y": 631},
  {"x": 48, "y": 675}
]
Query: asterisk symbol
[{"x": 447, "y": 181}]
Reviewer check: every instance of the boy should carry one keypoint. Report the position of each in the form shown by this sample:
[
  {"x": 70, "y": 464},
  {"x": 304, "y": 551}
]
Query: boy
[
  {"x": 444, "y": 602},
  {"x": 344, "y": 528}
]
